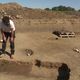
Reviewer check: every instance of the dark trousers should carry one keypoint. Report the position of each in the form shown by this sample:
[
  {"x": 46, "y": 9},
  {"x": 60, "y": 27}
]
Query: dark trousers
[{"x": 12, "y": 46}]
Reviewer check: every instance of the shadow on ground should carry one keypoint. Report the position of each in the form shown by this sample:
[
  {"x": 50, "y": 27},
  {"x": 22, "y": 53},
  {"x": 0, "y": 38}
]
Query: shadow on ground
[
  {"x": 64, "y": 72},
  {"x": 7, "y": 53}
]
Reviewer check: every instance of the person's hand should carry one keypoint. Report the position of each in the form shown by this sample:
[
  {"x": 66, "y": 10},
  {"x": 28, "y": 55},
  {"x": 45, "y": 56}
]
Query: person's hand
[{"x": 4, "y": 38}]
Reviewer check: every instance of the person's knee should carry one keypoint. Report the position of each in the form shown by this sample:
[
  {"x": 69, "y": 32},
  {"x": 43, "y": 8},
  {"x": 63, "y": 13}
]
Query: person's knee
[
  {"x": 11, "y": 40},
  {"x": 4, "y": 41}
]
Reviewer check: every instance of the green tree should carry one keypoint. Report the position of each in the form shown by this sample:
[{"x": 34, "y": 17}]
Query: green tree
[
  {"x": 62, "y": 8},
  {"x": 79, "y": 10},
  {"x": 47, "y": 9}
]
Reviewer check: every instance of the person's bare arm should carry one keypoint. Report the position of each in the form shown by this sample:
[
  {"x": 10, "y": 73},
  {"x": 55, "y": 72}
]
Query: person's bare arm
[{"x": 3, "y": 35}]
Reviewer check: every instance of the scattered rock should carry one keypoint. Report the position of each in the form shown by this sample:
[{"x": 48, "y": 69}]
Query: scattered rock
[
  {"x": 19, "y": 17},
  {"x": 28, "y": 52},
  {"x": 47, "y": 64},
  {"x": 76, "y": 50},
  {"x": 56, "y": 38},
  {"x": 38, "y": 63}
]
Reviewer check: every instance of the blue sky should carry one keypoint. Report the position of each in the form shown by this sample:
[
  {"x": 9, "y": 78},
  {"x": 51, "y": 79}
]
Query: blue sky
[{"x": 45, "y": 3}]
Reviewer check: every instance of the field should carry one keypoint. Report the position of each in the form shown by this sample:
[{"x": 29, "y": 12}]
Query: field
[
  {"x": 53, "y": 57},
  {"x": 45, "y": 47}
]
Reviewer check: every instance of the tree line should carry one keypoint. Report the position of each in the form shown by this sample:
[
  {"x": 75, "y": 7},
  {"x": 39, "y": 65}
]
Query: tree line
[{"x": 61, "y": 8}]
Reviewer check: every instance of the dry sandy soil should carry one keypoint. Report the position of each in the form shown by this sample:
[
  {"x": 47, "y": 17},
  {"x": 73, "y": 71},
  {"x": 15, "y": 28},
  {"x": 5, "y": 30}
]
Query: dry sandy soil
[
  {"x": 45, "y": 47},
  {"x": 54, "y": 57}
]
